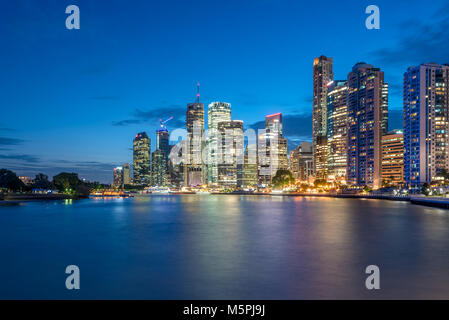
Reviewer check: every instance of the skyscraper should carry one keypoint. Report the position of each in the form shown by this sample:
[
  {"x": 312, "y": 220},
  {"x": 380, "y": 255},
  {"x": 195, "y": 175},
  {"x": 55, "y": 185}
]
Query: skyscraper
[
  {"x": 365, "y": 86},
  {"x": 194, "y": 173},
  {"x": 273, "y": 124},
  {"x": 159, "y": 168},
  {"x": 322, "y": 76},
  {"x": 162, "y": 138},
  {"x": 126, "y": 174},
  {"x": 337, "y": 142},
  {"x": 272, "y": 149},
  {"x": 141, "y": 159},
  {"x": 247, "y": 172},
  {"x": 301, "y": 162},
  {"x": 231, "y": 143},
  {"x": 393, "y": 158},
  {"x": 118, "y": 177},
  {"x": 175, "y": 166},
  {"x": 217, "y": 112},
  {"x": 426, "y": 123},
  {"x": 385, "y": 108}
]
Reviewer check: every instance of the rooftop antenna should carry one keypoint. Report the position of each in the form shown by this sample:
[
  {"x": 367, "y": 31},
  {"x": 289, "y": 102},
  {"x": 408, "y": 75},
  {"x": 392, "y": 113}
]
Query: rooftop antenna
[{"x": 198, "y": 93}]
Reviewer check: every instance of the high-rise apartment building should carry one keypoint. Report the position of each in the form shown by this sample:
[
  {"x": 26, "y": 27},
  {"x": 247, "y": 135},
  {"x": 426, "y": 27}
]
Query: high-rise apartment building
[
  {"x": 426, "y": 123},
  {"x": 141, "y": 159},
  {"x": 322, "y": 76},
  {"x": 217, "y": 112},
  {"x": 393, "y": 158},
  {"x": 385, "y": 108},
  {"x": 337, "y": 139},
  {"x": 365, "y": 86}
]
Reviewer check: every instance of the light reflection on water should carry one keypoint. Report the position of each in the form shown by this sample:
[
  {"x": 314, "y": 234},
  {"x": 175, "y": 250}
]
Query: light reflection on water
[{"x": 224, "y": 247}]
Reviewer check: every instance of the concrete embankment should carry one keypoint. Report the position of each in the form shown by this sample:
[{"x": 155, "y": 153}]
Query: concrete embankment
[
  {"x": 323, "y": 195},
  {"x": 33, "y": 197},
  {"x": 431, "y": 202},
  {"x": 418, "y": 200}
]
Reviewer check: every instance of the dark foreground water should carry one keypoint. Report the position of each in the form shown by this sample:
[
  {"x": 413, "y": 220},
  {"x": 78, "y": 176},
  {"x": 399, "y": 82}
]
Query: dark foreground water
[{"x": 224, "y": 247}]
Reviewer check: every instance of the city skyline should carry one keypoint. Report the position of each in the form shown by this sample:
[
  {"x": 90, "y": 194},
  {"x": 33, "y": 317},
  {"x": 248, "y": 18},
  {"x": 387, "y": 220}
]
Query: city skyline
[{"x": 90, "y": 131}]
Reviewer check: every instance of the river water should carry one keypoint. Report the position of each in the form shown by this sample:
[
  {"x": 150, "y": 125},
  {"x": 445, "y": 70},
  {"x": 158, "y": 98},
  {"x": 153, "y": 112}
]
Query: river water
[{"x": 223, "y": 247}]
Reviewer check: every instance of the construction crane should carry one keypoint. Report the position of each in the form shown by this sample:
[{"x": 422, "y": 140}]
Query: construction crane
[{"x": 164, "y": 122}]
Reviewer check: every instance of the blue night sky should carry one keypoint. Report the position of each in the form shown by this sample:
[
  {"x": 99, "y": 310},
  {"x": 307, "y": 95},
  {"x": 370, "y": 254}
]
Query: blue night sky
[{"x": 73, "y": 100}]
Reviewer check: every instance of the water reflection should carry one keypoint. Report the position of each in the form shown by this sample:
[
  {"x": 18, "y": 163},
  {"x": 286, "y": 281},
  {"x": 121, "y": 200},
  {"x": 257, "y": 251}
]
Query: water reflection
[{"x": 226, "y": 247}]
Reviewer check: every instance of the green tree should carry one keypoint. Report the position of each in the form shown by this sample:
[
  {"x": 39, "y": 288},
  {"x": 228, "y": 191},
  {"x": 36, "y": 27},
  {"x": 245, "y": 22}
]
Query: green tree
[
  {"x": 425, "y": 189},
  {"x": 41, "y": 182},
  {"x": 320, "y": 183},
  {"x": 282, "y": 178},
  {"x": 67, "y": 182},
  {"x": 10, "y": 181}
]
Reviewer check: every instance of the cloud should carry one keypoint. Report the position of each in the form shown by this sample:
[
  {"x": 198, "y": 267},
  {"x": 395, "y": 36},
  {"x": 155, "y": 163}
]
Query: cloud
[
  {"x": 10, "y": 141},
  {"x": 308, "y": 99},
  {"x": 423, "y": 42},
  {"x": 154, "y": 115},
  {"x": 123, "y": 123},
  {"x": 96, "y": 69},
  {"x": 106, "y": 98},
  {"x": 5, "y": 129},
  {"x": 20, "y": 157}
]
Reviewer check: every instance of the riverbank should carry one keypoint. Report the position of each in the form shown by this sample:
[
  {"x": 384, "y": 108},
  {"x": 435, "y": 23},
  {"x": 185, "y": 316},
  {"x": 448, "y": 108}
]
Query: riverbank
[
  {"x": 418, "y": 200},
  {"x": 325, "y": 195},
  {"x": 431, "y": 202},
  {"x": 34, "y": 197},
  {"x": 14, "y": 199}
]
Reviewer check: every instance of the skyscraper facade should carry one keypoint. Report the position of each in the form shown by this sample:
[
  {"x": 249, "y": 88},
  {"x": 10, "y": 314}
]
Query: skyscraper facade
[
  {"x": 118, "y": 177},
  {"x": 273, "y": 124},
  {"x": 231, "y": 144},
  {"x": 194, "y": 172},
  {"x": 247, "y": 172},
  {"x": 337, "y": 140},
  {"x": 365, "y": 85},
  {"x": 162, "y": 141},
  {"x": 426, "y": 123},
  {"x": 272, "y": 149},
  {"x": 385, "y": 108},
  {"x": 126, "y": 174},
  {"x": 175, "y": 166},
  {"x": 393, "y": 158},
  {"x": 159, "y": 168},
  {"x": 217, "y": 112},
  {"x": 322, "y": 76},
  {"x": 301, "y": 162},
  {"x": 141, "y": 159}
]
